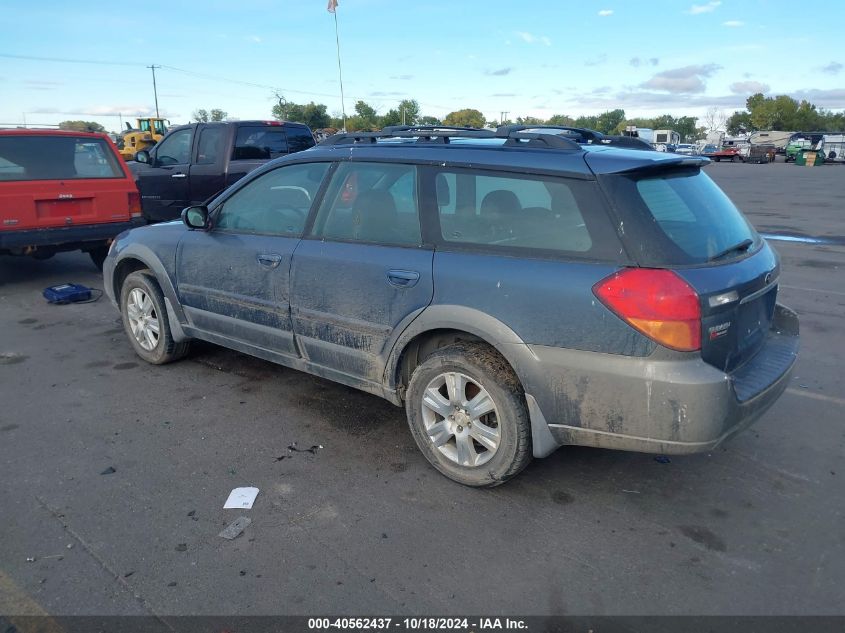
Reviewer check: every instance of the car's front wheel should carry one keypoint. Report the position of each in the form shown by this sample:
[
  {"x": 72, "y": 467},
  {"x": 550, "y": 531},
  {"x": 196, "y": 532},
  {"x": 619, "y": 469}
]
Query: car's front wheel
[
  {"x": 467, "y": 413},
  {"x": 145, "y": 320}
]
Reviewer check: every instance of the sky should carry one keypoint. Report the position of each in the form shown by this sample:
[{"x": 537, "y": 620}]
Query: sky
[{"x": 88, "y": 60}]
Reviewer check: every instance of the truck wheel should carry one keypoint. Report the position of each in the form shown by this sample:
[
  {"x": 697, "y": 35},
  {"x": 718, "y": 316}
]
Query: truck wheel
[
  {"x": 98, "y": 256},
  {"x": 717, "y": 159},
  {"x": 468, "y": 416},
  {"x": 145, "y": 320},
  {"x": 733, "y": 158}
]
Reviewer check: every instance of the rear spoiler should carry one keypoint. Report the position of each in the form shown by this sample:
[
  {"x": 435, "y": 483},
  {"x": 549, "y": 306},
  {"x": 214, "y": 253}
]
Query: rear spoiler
[{"x": 606, "y": 163}]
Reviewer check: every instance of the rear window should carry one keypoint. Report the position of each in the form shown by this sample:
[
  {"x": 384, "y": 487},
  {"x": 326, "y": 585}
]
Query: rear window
[
  {"x": 56, "y": 158},
  {"x": 680, "y": 218},
  {"x": 254, "y": 142}
]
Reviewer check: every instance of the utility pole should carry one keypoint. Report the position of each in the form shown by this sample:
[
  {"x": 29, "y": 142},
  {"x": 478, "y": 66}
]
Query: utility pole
[
  {"x": 504, "y": 116},
  {"x": 403, "y": 116},
  {"x": 155, "y": 91}
]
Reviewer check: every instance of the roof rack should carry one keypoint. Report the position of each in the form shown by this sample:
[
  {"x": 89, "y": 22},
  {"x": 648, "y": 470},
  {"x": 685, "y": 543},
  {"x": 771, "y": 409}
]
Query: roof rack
[
  {"x": 580, "y": 135},
  {"x": 443, "y": 134}
]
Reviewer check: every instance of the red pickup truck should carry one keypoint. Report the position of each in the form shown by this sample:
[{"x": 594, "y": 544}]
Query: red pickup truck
[
  {"x": 63, "y": 191},
  {"x": 726, "y": 153}
]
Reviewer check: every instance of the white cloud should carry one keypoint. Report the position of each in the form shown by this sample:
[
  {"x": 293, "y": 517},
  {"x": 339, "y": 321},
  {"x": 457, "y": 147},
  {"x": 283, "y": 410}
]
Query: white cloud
[
  {"x": 733, "y": 23},
  {"x": 531, "y": 38},
  {"x": 605, "y": 12},
  {"x": 689, "y": 79},
  {"x": 697, "y": 9},
  {"x": 833, "y": 68},
  {"x": 254, "y": 38},
  {"x": 748, "y": 87}
]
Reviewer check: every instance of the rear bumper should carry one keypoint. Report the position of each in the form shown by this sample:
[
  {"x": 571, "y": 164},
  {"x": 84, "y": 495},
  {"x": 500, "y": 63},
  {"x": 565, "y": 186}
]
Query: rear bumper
[
  {"x": 667, "y": 403},
  {"x": 65, "y": 236}
]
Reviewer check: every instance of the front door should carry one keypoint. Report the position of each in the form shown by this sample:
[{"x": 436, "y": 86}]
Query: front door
[
  {"x": 164, "y": 183},
  {"x": 234, "y": 280},
  {"x": 363, "y": 271}
]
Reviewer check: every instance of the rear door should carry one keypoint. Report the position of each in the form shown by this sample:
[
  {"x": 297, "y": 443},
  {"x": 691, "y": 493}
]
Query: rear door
[
  {"x": 207, "y": 170},
  {"x": 49, "y": 181},
  {"x": 233, "y": 281},
  {"x": 164, "y": 183},
  {"x": 363, "y": 271}
]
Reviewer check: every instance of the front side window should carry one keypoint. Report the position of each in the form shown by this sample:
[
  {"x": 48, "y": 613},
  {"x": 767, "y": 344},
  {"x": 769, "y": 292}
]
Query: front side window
[
  {"x": 176, "y": 148},
  {"x": 275, "y": 203},
  {"x": 56, "y": 158},
  {"x": 503, "y": 210},
  {"x": 371, "y": 202}
]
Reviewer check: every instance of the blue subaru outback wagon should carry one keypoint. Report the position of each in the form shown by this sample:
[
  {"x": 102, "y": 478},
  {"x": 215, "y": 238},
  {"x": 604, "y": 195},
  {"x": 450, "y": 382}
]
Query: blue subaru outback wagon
[{"x": 516, "y": 290}]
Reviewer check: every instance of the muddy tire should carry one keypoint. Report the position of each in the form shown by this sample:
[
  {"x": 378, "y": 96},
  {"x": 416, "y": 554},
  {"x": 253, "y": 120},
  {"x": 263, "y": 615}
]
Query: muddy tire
[
  {"x": 467, "y": 413},
  {"x": 145, "y": 320}
]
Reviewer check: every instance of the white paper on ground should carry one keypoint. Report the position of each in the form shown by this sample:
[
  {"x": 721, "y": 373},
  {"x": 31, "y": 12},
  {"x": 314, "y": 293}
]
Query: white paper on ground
[{"x": 242, "y": 498}]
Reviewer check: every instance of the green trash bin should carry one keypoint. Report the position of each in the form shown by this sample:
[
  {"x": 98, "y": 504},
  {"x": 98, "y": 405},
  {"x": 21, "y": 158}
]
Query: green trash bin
[{"x": 809, "y": 158}]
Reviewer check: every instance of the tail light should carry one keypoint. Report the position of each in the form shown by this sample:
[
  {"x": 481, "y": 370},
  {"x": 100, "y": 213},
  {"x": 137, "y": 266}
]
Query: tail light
[
  {"x": 657, "y": 303},
  {"x": 134, "y": 204}
]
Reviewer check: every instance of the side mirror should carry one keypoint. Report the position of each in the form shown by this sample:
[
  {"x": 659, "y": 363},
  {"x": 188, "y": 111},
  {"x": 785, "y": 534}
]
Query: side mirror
[
  {"x": 143, "y": 157},
  {"x": 196, "y": 217}
]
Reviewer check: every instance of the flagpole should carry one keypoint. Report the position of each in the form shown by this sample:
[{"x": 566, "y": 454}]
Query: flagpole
[{"x": 339, "y": 70}]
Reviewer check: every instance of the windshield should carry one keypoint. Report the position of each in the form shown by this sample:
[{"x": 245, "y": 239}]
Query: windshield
[{"x": 680, "y": 217}]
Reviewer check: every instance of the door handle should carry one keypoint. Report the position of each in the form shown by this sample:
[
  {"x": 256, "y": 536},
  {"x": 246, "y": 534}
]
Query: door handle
[
  {"x": 178, "y": 176},
  {"x": 269, "y": 260},
  {"x": 403, "y": 278}
]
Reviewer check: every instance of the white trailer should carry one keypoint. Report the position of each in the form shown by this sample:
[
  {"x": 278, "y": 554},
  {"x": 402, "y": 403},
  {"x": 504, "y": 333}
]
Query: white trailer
[{"x": 833, "y": 146}]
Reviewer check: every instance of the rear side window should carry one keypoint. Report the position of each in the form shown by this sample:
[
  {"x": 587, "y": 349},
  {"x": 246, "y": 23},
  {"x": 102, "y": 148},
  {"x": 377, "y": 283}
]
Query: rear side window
[
  {"x": 209, "y": 145},
  {"x": 539, "y": 213},
  {"x": 259, "y": 142},
  {"x": 684, "y": 218},
  {"x": 371, "y": 202},
  {"x": 56, "y": 158}
]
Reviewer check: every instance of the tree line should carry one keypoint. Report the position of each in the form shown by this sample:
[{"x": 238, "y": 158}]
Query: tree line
[
  {"x": 780, "y": 112},
  {"x": 783, "y": 113}
]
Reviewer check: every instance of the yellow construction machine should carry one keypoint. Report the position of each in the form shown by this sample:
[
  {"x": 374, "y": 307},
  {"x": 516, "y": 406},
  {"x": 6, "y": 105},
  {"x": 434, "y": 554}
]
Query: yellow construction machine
[{"x": 150, "y": 131}]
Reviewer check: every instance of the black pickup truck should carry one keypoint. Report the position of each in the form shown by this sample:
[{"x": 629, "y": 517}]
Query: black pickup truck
[{"x": 193, "y": 163}]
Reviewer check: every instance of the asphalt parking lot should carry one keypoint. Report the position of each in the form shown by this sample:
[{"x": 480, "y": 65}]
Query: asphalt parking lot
[{"x": 364, "y": 525}]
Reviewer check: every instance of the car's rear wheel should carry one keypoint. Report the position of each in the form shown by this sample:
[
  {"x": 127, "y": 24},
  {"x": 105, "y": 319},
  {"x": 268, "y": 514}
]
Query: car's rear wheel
[
  {"x": 467, "y": 413},
  {"x": 98, "y": 256},
  {"x": 145, "y": 320}
]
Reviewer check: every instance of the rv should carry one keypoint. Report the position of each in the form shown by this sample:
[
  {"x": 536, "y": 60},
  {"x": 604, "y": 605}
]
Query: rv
[
  {"x": 666, "y": 137},
  {"x": 774, "y": 137}
]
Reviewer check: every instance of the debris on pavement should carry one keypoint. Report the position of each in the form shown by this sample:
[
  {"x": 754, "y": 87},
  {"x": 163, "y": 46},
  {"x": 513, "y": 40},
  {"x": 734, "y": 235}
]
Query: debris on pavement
[
  {"x": 662, "y": 459},
  {"x": 242, "y": 498},
  {"x": 108, "y": 471},
  {"x": 234, "y": 529},
  {"x": 182, "y": 547},
  {"x": 313, "y": 449},
  {"x": 30, "y": 559}
]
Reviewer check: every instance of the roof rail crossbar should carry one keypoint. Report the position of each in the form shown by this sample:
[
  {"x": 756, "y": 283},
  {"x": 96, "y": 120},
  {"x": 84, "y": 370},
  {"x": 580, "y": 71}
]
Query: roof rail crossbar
[
  {"x": 589, "y": 136},
  {"x": 539, "y": 139},
  {"x": 422, "y": 134}
]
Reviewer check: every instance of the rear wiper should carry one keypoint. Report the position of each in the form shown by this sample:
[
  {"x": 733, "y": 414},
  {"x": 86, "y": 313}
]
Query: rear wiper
[{"x": 744, "y": 245}]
